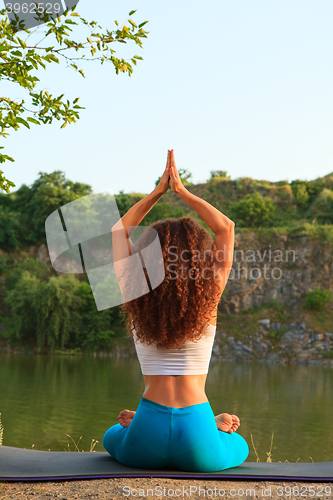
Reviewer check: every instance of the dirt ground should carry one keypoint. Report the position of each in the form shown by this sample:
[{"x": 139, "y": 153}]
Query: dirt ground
[{"x": 162, "y": 489}]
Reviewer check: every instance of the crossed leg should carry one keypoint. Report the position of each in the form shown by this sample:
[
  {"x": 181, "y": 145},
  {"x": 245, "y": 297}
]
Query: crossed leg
[{"x": 224, "y": 421}]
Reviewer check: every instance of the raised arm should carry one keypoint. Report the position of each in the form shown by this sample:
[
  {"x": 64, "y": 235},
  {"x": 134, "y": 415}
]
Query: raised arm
[
  {"x": 219, "y": 223},
  {"x": 123, "y": 229}
]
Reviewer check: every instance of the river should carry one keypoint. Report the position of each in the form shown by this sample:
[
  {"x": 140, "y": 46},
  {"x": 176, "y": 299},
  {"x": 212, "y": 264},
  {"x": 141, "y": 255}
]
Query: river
[{"x": 45, "y": 398}]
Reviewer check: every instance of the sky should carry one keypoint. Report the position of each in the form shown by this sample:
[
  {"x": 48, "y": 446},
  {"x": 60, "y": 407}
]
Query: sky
[{"x": 243, "y": 86}]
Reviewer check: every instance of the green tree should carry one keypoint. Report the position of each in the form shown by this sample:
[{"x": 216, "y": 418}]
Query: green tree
[
  {"x": 43, "y": 312},
  {"x": 20, "y": 59},
  {"x": 10, "y": 229},
  {"x": 34, "y": 204},
  {"x": 99, "y": 329},
  {"x": 33, "y": 266},
  {"x": 55, "y": 312},
  {"x": 124, "y": 202},
  {"x": 253, "y": 210}
]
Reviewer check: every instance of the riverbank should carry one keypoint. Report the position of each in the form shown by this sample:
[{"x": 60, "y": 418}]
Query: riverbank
[
  {"x": 275, "y": 342},
  {"x": 271, "y": 342},
  {"x": 115, "y": 489}
]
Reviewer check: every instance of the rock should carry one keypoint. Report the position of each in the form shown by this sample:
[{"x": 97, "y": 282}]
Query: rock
[
  {"x": 287, "y": 336},
  {"x": 247, "y": 348},
  {"x": 265, "y": 323},
  {"x": 312, "y": 337},
  {"x": 43, "y": 254},
  {"x": 276, "y": 326}
]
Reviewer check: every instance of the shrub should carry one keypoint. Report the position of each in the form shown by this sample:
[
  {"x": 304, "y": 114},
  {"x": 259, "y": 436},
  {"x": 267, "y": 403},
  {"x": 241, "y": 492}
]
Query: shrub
[
  {"x": 253, "y": 210},
  {"x": 322, "y": 207},
  {"x": 317, "y": 299},
  {"x": 305, "y": 191},
  {"x": 301, "y": 195},
  {"x": 219, "y": 173}
]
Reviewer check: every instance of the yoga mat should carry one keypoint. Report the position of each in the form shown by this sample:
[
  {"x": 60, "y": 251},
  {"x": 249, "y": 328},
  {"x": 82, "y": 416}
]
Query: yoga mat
[{"x": 18, "y": 464}]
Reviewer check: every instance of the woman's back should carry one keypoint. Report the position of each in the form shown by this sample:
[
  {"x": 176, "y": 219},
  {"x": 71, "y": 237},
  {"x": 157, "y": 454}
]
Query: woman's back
[{"x": 176, "y": 377}]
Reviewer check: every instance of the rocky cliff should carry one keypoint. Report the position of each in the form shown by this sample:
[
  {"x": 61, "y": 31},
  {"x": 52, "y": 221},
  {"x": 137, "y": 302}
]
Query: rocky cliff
[{"x": 281, "y": 268}]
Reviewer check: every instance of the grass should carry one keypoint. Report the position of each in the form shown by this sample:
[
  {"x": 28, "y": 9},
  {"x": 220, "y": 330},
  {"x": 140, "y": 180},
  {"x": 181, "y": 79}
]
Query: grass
[
  {"x": 76, "y": 445},
  {"x": 246, "y": 323},
  {"x": 320, "y": 322},
  {"x": 269, "y": 453}
]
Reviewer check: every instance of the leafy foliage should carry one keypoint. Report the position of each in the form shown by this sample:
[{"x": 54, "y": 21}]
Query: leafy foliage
[
  {"x": 219, "y": 173},
  {"x": 24, "y": 222},
  {"x": 33, "y": 266},
  {"x": 322, "y": 207},
  {"x": 10, "y": 229},
  {"x": 3, "y": 266},
  {"x": 124, "y": 202},
  {"x": 305, "y": 191},
  {"x": 253, "y": 210},
  {"x": 301, "y": 195},
  {"x": 317, "y": 299},
  {"x": 55, "y": 312},
  {"x": 19, "y": 61}
]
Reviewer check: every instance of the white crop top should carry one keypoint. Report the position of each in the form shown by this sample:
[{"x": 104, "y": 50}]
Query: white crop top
[{"x": 191, "y": 359}]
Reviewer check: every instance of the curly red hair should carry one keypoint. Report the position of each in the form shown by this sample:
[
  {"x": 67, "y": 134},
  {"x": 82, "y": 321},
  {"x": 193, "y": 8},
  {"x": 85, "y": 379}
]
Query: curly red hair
[{"x": 179, "y": 308}]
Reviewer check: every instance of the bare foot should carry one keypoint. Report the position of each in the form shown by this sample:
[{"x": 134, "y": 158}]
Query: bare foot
[
  {"x": 227, "y": 423},
  {"x": 125, "y": 417}
]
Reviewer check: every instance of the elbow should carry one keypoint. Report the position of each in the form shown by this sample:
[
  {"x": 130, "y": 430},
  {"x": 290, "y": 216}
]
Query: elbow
[
  {"x": 229, "y": 225},
  {"x": 226, "y": 227}
]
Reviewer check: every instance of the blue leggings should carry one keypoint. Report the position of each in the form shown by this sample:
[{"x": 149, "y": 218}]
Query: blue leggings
[{"x": 186, "y": 439}]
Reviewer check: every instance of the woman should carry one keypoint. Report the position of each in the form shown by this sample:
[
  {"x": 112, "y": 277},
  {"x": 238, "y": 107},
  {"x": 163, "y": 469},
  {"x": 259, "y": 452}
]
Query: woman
[{"x": 173, "y": 327}]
